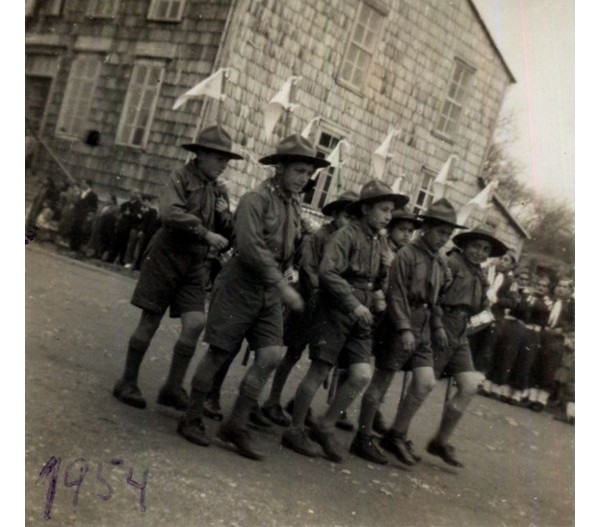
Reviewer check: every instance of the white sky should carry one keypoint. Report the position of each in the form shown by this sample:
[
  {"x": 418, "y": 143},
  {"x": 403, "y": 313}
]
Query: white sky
[{"x": 537, "y": 40}]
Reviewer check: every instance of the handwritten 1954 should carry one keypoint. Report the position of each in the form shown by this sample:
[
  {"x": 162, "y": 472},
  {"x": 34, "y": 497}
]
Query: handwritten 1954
[{"x": 76, "y": 472}]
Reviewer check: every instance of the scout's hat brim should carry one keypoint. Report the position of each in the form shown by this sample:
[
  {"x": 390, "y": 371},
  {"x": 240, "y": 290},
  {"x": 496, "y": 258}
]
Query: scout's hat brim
[
  {"x": 295, "y": 149},
  {"x": 399, "y": 201},
  {"x": 462, "y": 239},
  {"x": 404, "y": 215},
  {"x": 275, "y": 159},
  {"x": 339, "y": 204},
  {"x": 213, "y": 139},
  {"x": 441, "y": 212},
  {"x": 198, "y": 147}
]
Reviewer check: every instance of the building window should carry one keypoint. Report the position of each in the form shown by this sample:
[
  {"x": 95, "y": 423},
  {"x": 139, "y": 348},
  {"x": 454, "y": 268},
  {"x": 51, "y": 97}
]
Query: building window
[
  {"x": 424, "y": 194},
  {"x": 102, "y": 8},
  {"x": 140, "y": 101},
  {"x": 455, "y": 99},
  {"x": 51, "y": 7},
  {"x": 78, "y": 97},
  {"x": 327, "y": 180},
  {"x": 361, "y": 48},
  {"x": 166, "y": 10}
]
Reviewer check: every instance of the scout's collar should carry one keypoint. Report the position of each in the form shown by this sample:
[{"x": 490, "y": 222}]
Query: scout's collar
[{"x": 278, "y": 191}]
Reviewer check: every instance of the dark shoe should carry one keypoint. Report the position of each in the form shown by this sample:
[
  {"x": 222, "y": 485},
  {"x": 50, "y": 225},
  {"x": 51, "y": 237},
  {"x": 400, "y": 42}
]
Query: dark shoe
[
  {"x": 178, "y": 400},
  {"x": 275, "y": 414},
  {"x": 343, "y": 423},
  {"x": 536, "y": 407},
  {"x": 129, "y": 394},
  {"x": 329, "y": 443},
  {"x": 212, "y": 409},
  {"x": 379, "y": 425},
  {"x": 364, "y": 446},
  {"x": 297, "y": 440},
  {"x": 445, "y": 451},
  {"x": 399, "y": 446},
  {"x": 240, "y": 437},
  {"x": 309, "y": 421},
  {"x": 258, "y": 419},
  {"x": 193, "y": 430}
]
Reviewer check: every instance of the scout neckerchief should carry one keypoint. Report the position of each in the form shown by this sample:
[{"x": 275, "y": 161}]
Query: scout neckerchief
[
  {"x": 435, "y": 283},
  {"x": 290, "y": 204},
  {"x": 207, "y": 199},
  {"x": 555, "y": 313},
  {"x": 374, "y": 255},
  {"x": 477, "y": 295}
]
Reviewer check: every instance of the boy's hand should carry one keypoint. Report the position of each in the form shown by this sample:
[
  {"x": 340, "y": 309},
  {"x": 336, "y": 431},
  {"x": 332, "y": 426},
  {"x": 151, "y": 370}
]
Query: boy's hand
[
  {"x": 408, "y": 340},
  {"x": 363, "y": 314},
  {"x": 291, "y": 297},
  {"x": 221, "y": 204},
  {"x": 441, "y": 338},
  {"x": 216, "y": 240}
]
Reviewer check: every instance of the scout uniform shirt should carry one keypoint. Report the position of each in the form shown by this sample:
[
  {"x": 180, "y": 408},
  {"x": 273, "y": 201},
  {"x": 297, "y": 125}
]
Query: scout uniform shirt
[
  {"x": 187, "y": 210},
  {"x": 352, "y": 268},
  {"x": 416, "y": 277},
  {"x": 267, "y": 227}
]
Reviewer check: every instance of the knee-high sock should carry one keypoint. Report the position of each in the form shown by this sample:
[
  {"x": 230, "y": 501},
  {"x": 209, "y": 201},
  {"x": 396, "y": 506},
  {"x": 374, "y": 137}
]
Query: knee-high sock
[
  {"x": 182, "y": 355},
  {"x": 307, "y": 390},
  {"x": 407, "y": 409},
  {"x": 372, "y": 400},
  {"x": 453, "y": 412},
  {"x": 203, "y": 379},
  {"x": 135, "y": 354},
  {"x": 280, "y": 378}
]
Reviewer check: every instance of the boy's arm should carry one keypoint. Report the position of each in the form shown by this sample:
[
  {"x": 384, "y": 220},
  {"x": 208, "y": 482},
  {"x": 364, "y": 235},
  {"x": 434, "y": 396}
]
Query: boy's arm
[
  {"x": 397, "y": 294},
  {"x": 333, "y": 265}
]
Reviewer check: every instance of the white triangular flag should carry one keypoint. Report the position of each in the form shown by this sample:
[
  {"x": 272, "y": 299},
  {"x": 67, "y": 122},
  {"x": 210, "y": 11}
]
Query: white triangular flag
[
  {"x": 481, "y": 201},
  {"x": 381, "y": 156},
  {"x": 397, "y": 184},
  {"x": 280, "y": 102},
  {"x": 335, "y": 156},
  {"x": 441, "y": 181},
  {"x": 310, "y": 130},
  {"x": 211, "y": 87}
]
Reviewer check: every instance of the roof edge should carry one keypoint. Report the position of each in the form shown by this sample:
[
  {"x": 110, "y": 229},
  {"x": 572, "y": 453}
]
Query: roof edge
[{"x": 492, "y": 42}]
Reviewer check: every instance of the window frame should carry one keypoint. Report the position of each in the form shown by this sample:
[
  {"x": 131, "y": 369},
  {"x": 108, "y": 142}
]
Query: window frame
[
  {"x": 70, "y": 100},
  {"x": 153, "y": 8},
  {"x": 427, "y": 191},
  {"x": 444, "y": 120},
  {"x": 129, "y": 97},
  {"x": 382, "y": 11},
  {"x": 52, "y": 9},
  {"x": 93, "y": 10},
  {"x": 326, "y": 177}
]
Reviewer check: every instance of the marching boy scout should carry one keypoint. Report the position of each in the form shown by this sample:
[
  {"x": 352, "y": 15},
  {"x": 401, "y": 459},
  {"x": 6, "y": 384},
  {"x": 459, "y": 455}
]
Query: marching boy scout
[
  {"x": 464, "y": 297},
  {"x": 351, "y": 269},
  {"x": 195, "y": 213},
  {"x": 297, "y": 325},
  {"x": 249, "y": 291},
  {"x": 416, "y": 278}
]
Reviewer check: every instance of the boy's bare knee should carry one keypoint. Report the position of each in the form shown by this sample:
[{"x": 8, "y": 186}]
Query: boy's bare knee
[{"x": 360, "y": 374}]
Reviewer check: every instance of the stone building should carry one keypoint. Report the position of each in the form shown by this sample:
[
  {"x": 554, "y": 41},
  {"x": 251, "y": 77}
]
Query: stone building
[{"x": 112, "y": 69}]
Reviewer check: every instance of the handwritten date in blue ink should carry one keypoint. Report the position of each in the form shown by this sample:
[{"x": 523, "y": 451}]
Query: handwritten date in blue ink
[{"x": 77, "y": 471}]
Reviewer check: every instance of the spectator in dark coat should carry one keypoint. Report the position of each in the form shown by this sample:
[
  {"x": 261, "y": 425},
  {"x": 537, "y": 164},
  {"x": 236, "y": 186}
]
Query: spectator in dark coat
[
  {"x": 148, "y": 226},
  {"x": 129, "y": 218},
  {"x": 84, "y": 209}
]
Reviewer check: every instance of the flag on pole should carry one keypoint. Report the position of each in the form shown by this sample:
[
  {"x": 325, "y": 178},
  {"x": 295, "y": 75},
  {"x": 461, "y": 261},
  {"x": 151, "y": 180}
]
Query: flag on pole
[
  {"x": 482, "y": 201},
  {"x": 280, "y": 102},
  {"x": 381, "y": 156},
  {"x": 310, "y": 130},
  {"x": 442, "y": 180},
  {"x": 211, "y": 87},
  {"x": 397, "y": 184}
]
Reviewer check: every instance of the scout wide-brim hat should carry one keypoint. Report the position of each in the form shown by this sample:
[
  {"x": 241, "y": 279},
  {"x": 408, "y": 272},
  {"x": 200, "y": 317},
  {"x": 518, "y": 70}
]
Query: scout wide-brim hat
[
  {"x": 341, "y": 203},
  {"x": 375, "y": 191},
  {"x": 294, "y": 149},
  {"x": 481, "y": 233},
  {"x": 213, "y": 138},
  {"x": 403, "y": 215},
  {"x": 441, "y": 211}
]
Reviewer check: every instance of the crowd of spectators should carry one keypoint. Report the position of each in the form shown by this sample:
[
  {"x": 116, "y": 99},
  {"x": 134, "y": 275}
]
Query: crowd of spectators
[{"x": 73, "y": 217}]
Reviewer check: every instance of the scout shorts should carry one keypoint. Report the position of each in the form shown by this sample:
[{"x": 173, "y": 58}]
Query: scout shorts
[
  {"x": 387, "y": 345},
  {"x": 242, "y": 308},
  {"x": 457, "y": 358},
  {"x": 177, "y": 280}
]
